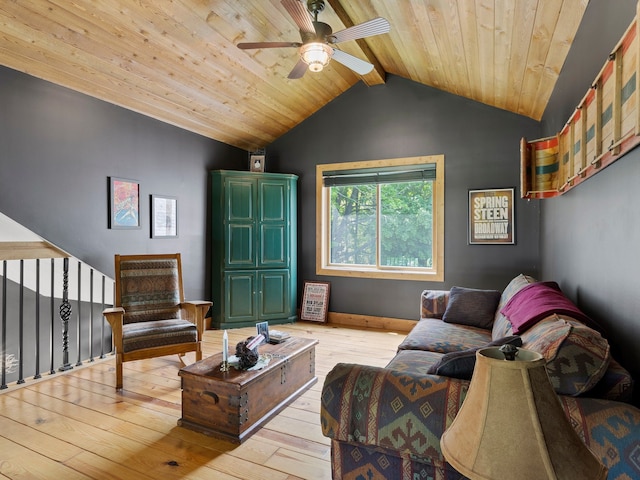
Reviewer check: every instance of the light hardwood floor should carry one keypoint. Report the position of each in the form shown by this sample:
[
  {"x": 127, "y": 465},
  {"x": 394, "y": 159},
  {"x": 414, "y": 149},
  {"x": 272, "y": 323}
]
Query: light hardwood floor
[{"x": 76, "y": 426}]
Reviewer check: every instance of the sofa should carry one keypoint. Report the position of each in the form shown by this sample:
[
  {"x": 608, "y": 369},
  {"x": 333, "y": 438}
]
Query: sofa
[{"x": 387, "y": 422}]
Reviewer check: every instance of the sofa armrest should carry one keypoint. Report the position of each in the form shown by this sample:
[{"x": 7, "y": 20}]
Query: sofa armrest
[
  {"x": 401, "y": 411},
  {"x": 610, "y": 429}
]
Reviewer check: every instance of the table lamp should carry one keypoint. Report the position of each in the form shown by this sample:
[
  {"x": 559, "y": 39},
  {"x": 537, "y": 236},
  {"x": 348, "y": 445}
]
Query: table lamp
[{"x": 512, "y": 425}]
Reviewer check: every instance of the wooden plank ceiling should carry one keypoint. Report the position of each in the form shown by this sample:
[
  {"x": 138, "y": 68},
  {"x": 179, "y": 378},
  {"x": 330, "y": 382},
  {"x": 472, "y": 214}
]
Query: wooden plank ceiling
[{"x": 176, "y": 60}]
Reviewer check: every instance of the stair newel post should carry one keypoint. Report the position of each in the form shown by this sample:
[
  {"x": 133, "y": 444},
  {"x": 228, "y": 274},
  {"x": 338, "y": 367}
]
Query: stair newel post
[{"x": 65, "y": 314}]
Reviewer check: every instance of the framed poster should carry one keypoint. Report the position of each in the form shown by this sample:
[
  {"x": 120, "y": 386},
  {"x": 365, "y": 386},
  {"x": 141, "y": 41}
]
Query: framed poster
[
  {"x": 164, "y": 216},
  {"x": 124, "y": 203},
  {"x": 491, "y": 217},
  {"x": 315, "y": 301}
]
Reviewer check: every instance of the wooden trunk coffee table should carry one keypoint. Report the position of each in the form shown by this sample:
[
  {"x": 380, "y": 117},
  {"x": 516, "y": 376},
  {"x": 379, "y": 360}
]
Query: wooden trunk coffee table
[{"x": 234, "y": 405}]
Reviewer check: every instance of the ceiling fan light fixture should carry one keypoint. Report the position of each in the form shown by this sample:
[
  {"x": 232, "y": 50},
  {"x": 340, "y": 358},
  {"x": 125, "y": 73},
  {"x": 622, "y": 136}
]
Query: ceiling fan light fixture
[{"x": 316, "y": 55}]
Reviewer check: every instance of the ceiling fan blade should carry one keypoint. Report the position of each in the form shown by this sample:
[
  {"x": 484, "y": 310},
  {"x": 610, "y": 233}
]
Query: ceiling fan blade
[
  {"x": 354, "y": 63},
  {"x": 377, "y": 26},
  {"x": 300, "y": 15},
  {"x": 249, "y": 45},
  {"x": 299, "y": 70}
]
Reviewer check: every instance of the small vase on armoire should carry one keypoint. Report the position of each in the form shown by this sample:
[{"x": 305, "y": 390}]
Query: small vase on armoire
[{"x": 253, "y": 248}]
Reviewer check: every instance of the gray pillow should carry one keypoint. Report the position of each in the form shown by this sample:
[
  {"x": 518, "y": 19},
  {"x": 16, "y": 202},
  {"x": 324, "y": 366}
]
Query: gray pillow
[
  {"x": 469, "y": 306},
  {"x": 461, "y": 364}
]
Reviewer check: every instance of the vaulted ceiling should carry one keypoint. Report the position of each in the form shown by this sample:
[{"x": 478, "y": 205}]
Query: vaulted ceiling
[{"x": 177, "y": 60}]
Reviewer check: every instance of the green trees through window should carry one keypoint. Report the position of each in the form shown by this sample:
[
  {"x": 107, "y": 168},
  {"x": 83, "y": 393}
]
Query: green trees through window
[{"x": 386, "y": 225}]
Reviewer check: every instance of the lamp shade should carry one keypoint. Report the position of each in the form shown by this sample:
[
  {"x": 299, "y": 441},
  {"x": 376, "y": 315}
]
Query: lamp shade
[
  {"x": 316, "y": 55},
  {"x": 512, "y": 425}
]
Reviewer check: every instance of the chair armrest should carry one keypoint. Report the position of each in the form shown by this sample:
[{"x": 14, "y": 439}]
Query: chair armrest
[
  {"x": 115, "y": 317},
  {"x": 195, "y": 311},
  {"x": 402, "y": 411}
]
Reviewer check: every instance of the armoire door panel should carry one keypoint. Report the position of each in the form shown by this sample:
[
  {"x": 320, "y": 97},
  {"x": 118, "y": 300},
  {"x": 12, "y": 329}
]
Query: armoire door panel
[
  {"x": 274, "y": 294},
  {"x": 274, "y": 250},
  {"x": 240, "y": 246},
  {"x": 240, "y": 200},
  {"x": 273, "y": 197},
  {"x": 240, "y": 296}
]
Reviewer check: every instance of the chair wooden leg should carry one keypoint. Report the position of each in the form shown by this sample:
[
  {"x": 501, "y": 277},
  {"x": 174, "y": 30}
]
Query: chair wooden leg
[
  {"x": 199, "y": 353},
  {"x": 118, "y": 371},
  {"x": 181, "y": 358}
]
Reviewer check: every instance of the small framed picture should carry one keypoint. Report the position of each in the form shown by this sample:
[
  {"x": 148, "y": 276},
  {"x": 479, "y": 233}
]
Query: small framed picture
[
  {"x": 256, "y": 162},
  {"x": 124, "y": 203},
  {"x": 164, "y": 216},
  {"x": 263, "y": 328},
  {"x": 491, "y": 217},
  {"x": 315, "y": 301}
]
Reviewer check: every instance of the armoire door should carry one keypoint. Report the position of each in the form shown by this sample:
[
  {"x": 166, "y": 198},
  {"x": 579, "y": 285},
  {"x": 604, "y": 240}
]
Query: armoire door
[
  {"x": 273, "y": 294},
  {"x": 273, "y": 240}
]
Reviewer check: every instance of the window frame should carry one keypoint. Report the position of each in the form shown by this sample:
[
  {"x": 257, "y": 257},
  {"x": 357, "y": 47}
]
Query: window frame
[{"x": 434, "y": 274}]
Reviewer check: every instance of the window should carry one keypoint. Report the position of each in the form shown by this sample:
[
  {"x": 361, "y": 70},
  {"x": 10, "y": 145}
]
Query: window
[{"x": 381, "y": 219}]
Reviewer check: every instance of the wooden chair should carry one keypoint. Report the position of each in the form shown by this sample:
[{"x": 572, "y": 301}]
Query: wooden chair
[{"x": 149, "y": 317}]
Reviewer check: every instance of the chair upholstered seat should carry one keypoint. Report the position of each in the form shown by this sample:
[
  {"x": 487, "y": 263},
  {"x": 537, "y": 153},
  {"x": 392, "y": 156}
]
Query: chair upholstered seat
[
  {"x": 150, "y": 317},
  {"x": 157, "y": 333}
]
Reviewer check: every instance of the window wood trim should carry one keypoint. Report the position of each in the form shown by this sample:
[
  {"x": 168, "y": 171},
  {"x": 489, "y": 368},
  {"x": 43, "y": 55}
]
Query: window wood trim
[{"x": 322, "y": 221}]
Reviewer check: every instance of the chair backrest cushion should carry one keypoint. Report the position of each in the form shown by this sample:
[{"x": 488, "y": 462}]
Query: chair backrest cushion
[{"x": 150, "y": 289}]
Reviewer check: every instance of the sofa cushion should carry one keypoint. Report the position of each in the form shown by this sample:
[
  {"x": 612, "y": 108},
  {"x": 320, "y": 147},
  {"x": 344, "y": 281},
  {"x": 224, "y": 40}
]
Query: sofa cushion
[
  {"x": 433, "y": 303},
  {"x": 577, "y": 356},
  {"x": 415, "y": 361},
  {"x": 437, "y": 336},
  {"x": 470, "y": 306},
  {"x": 461, "y": 364},
  {"x": 501, "y": 325},
  {"x": 537, "y": 301}
]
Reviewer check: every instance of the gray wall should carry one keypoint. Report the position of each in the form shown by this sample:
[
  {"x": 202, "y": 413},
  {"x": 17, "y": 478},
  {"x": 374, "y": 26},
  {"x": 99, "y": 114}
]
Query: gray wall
[
  {"x": 57, "y": 149},
  {"x": 590, "y": 235},
  {"x": 402, "y": 119}
]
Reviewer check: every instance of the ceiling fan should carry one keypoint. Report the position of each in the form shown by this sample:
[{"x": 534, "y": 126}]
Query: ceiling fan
[{"x": 318, "y": 40}]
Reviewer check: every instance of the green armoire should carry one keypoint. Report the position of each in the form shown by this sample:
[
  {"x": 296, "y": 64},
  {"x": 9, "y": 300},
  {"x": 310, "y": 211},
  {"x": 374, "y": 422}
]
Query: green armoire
[{"x": 253, "y": 248}]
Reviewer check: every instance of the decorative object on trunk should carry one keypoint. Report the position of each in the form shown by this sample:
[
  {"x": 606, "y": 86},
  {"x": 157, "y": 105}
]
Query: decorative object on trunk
[{"x": 247, "y": 351}]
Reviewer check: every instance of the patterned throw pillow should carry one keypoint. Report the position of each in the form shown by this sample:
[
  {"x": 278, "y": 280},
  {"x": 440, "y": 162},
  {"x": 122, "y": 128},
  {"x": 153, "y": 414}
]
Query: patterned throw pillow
[
  {"x": 433, "y": 303},
  {"x": 461, "y": 364},
  {"x": 577, "y": 356},
  {"x": 469, "y": 306}
]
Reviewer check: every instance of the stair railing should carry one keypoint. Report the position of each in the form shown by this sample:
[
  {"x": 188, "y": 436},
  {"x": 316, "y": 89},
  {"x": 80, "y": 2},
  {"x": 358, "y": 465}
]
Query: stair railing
[{"x": 48, "y": 297}]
